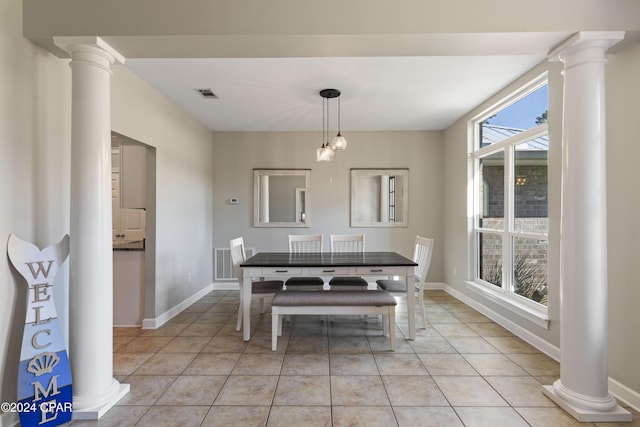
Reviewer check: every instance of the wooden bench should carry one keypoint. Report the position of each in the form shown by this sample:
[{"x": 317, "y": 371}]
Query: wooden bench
[{"x": 371, "y": 302}]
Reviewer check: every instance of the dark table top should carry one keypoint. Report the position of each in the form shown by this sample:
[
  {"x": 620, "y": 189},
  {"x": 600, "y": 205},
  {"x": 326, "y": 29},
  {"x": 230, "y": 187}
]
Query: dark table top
[{"x": 328, "y": 259}]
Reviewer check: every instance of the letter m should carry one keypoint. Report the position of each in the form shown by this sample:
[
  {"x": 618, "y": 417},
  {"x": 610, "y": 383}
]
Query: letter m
[{"x": 40, "y": 393}]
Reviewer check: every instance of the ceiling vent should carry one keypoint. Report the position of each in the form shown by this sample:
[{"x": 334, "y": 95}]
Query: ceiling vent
[{"x": 207, "y": 93}]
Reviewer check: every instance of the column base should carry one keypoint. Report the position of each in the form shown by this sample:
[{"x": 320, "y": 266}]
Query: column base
[
  {"x": 586, "y": 410},
  {"x": 94, "y": 407}
]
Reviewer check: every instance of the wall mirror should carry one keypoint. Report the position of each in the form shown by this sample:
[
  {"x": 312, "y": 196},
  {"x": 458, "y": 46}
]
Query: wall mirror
[
  {"x": 379, "y": 197},
  {"x": 281, "y": 197}
]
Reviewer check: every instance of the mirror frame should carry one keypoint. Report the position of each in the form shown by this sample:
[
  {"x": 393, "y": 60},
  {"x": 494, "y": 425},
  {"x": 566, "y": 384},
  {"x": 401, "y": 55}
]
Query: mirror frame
[
  {"x": 258, "y": 173},
  {"x": 404, "y": 201}
]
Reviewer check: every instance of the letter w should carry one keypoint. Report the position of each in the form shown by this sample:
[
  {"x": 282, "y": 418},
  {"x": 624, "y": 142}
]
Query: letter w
[{"x": 40, "y": 269}]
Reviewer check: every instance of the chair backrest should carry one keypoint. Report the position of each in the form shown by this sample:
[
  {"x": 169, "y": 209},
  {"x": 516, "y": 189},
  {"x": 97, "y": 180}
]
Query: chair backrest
[
  {"x": 305, "y": 243},
  {"x": 237, "y": 255},
  {"x": 347, "y": 242},
  {"x": 422, "y": 256}
]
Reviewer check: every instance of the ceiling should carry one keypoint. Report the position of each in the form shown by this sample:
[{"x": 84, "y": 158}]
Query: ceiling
[{"x": 378, "y": 93}]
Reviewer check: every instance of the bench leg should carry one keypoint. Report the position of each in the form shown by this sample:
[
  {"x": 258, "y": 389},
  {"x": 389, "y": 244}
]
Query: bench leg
[
  {"x": 385, "y": 325},
  {"x": 392, "y": 328},
  {"x": 275, "y": 320}
]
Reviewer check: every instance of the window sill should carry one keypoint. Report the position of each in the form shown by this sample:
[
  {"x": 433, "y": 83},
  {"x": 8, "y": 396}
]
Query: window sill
[{"x": 536, "y": 317}]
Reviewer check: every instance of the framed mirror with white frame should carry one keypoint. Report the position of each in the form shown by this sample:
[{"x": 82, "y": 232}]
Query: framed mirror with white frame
[
  {"x": 281, "y": 197},
  {"x": 380, "y": 197}
]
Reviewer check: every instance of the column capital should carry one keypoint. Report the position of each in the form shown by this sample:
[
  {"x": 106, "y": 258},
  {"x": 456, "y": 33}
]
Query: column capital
[
  {"x": 585, "y": 39},
  {"x": 93, "y": 44}
]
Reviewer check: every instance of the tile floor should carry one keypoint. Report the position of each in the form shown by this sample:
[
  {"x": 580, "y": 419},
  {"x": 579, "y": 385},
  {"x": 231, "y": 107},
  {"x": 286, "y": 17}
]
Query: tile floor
[{"x": 463, "y": 370}]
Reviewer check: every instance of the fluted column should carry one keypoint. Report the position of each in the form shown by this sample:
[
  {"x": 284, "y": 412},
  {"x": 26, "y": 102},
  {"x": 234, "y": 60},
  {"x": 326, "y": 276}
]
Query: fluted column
[
  {"x": 582, "y": 389},
  {"x": 91, "y": 259}
]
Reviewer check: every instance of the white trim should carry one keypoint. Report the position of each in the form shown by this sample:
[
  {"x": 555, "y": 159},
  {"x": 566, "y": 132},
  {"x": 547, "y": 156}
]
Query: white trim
[
  {"x": 625, "y": 394},
  {"x": 537, "y": 317},
  {"x": 542, "y": 345},
  {"x": 160, "y": 320}
]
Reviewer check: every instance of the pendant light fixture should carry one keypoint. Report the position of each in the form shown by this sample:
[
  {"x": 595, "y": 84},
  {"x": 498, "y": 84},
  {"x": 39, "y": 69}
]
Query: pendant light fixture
[
  {"x": 339, "y": 143},
  {"x": 327, "y": 151}
]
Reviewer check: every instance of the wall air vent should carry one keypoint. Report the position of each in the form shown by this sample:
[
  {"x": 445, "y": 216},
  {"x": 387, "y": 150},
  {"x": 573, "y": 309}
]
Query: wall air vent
[{"x": 207, "y": 93}]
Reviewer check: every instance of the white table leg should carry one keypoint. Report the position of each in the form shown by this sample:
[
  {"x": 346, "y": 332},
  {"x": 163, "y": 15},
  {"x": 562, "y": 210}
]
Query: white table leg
[
  {"x": 392, "y": 328},
  {"x": 411, "y": 304},
  {"x": 246, "y": 307},
  {"x": 275, "y": 320}
]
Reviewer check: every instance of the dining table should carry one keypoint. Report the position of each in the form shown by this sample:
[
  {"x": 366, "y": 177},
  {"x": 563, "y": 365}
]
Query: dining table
[{"x": 273, "y": 265}]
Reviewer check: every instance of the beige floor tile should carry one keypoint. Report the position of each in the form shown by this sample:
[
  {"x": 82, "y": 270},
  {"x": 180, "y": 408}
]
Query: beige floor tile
[
  {"x": 432, "y": 345},
  {"x": 441, "y": 317},
  {"x": 120, "y": 341},
  {"x": 472, "y": 317},
  {"x": 303, "y": 390},
  {"x": 173, "y": 416},
  {"x": 427, "y": 417},
  {"x": 192, "y": 390},
  {"x": 307, "y": 416},
  {"x": 380, "y": 344},
  {"x": 259, "y": 364},
  {"x": 126, "y": 363},
  {"x": 353, "y": 364},
  {"x": 165, "y": 364},
  {"x": 454, "y": 330},
  {"x": 536, "y": 364},
  {"x": 198, "y": 307},
  {"x": 214, "y": 317},
  {"x": 370, "y": 416},
  {"x": 145, "y": 389},
  {"x": 489, "y": 329},
  {"x": 118, "y": 416},
  {"x": 184, "y": 345},
  {"x": 125, "y": 331},
  {"x": 212, "y": 364},
  {"x": 494, "y": 364},
  {"x": 400, "y": 364},
  {"x": 490, "y": 417},
  {"x": 446, "y": 364},
  {"x": 550, "y": 417},
  {"x": 512, "y": 345},
  {"x": 248, "y": 390},
  {"x": 225, "y": 344},
  {"x": 245, "y": 416},
  {"x": 520, "y": 391},
  {"x": 201, "y": 330},
  {"x": 471, "y": 345},
  {"x": 349, "y": 344},
  {"x": 358, "y": 390},
  {"x": 469, "y": 391},
  {"x": 144, "y": 344},
  {"x": 306, "y": 364},
  {"x": 308, "y": 344},
  {"x": 172, "y": 329},
  {"x": 406, "y": 390}
]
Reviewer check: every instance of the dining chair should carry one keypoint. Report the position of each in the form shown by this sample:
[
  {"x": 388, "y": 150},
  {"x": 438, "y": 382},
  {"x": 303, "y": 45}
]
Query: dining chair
[
  {"x": 262, "y": 289},
  {"x": 422, "y": 256},
  {"x": 347, "y": 243},
  {"x": 301, "y": 243}
]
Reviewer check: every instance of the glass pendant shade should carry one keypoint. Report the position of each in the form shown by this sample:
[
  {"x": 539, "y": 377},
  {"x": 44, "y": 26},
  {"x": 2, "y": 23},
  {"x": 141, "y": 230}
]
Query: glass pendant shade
[
  {"x": 324, "y": 153},
  {"x": 339, "y": 143}
]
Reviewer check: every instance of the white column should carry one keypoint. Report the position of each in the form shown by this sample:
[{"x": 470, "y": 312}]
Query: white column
[
  {"x": 582, "y": 389},
  {"x": 91, "y": 259}
]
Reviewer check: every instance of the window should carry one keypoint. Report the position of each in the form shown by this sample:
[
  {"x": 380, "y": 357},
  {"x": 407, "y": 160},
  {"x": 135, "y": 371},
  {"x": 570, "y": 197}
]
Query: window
[{"x": 510, "y": 159}]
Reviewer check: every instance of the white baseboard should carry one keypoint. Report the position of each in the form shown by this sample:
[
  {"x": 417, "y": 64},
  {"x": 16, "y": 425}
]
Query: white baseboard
[
  {"x": 158, "y": 321},
  {"x": 625, "y": 394},
  {"x": 225, "y": 286},
  {"x": 618, "y": 390},
  {"x": 542, "y": 345}
]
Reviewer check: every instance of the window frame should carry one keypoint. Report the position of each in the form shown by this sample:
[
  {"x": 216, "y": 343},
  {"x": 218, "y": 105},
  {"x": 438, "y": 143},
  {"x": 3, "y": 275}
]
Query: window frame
[{"x": 504, "y": 294}]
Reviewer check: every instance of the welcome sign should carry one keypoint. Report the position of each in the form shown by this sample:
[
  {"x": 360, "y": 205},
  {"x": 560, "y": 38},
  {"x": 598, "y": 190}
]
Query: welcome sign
[{"x": 44, "y": 376}]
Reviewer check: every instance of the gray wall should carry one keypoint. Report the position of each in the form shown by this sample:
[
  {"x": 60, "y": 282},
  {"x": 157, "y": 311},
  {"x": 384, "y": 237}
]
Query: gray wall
[{"x": 236, "y": 154}]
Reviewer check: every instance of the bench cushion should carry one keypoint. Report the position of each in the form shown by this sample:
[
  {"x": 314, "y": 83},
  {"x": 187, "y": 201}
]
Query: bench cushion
[{"x": 333, "y": 298}]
